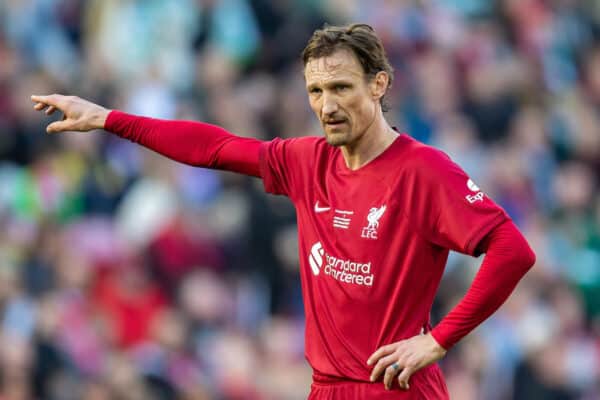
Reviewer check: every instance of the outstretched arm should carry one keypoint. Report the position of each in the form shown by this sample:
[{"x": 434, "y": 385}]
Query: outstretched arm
[{"x": 193, "y": 143}]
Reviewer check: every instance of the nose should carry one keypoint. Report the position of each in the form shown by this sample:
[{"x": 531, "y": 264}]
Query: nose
[{"x": 330, "y": 105}]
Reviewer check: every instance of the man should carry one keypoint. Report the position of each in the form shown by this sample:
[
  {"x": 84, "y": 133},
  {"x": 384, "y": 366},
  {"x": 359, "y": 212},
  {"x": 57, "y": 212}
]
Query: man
[{"x": 377, "y": 214}]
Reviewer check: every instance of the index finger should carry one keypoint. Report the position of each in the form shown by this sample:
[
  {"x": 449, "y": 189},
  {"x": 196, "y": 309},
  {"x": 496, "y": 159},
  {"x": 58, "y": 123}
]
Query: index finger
[
  {"x": 382, "y": 351},
  {"x": 51, "y": 100}
]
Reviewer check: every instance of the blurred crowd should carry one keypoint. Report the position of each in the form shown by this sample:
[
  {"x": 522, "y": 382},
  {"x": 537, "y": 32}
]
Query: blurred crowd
[{"x": 124, "y": 275}]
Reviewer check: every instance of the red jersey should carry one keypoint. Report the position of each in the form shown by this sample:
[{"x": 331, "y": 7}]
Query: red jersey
[{"x": 373, "y": 242}]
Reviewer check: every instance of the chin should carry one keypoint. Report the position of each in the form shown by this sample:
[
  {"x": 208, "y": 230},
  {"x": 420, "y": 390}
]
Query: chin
[
  {"x": 337, "y": 142},
  {"x": 336, "y": 139}
]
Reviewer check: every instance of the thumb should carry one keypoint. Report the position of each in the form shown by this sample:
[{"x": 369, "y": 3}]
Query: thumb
[
  {"x": 404, "y": 377},
  {"x": 59, "y": 126}
]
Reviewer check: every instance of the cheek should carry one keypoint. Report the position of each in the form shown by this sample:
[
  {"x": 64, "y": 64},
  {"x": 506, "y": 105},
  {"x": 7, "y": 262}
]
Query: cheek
[
  {"x": 361, "y": 110},
  {"x": 315, "y": 105}
]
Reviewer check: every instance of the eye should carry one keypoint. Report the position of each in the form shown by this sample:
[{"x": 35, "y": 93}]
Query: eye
[
  {"x": 341, "y": 87},
  {"x": 315, "y": 90}
]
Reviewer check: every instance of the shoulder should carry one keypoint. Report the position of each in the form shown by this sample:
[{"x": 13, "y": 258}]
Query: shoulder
[
  {"x": 302, "y": 141},
  {"x": 304, "y": 145},
  {"x": 425, "y": 160}
]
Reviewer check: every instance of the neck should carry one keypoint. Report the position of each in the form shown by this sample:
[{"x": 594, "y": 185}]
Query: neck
[{"x": 378, "y": 137}]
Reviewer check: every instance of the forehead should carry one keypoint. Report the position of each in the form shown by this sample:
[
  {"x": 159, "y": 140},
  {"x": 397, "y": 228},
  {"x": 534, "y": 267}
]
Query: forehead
[{"x": 342, "y": 64}]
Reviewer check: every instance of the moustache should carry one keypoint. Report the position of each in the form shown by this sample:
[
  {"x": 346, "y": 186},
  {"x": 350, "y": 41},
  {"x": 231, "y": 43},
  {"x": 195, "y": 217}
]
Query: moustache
[{"x": 334, "y": 119}]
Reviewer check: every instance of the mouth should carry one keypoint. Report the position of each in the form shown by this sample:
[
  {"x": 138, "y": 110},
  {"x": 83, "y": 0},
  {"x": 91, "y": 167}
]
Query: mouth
[{"x": 335, "y": 123}]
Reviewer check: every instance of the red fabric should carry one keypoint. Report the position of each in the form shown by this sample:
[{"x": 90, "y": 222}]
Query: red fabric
[
  {"x": 193, "y": 143},
  {"x": 508, "y": 258},
  {"x": 373, "y": 242},
  {"x": 421, "y": 387}
]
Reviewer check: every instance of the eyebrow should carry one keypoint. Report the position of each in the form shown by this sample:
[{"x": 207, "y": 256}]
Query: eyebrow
[{"x": 340, "y": 81}]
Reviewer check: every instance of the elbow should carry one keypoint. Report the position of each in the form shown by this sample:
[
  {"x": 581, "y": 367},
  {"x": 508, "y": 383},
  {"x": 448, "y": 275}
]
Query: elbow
[
  {"x": 507, "y": 242},
  {"x": 521, "y": 254},
  {"x": 524, "y": 256},
  {"x": 530, "y": 258}
]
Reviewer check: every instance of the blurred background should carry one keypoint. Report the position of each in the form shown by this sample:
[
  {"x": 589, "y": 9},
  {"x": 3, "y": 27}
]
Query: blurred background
[{"x": 124, "y": 275}]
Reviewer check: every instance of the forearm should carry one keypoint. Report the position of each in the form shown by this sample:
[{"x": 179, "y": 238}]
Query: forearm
[
  {"x": 194, "y": 143},
  {"x": 508, "y": 257}
]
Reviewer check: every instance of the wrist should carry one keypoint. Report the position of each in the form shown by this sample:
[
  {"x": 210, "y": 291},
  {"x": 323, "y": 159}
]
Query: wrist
[
  {"x": 100, "y": 118},
  {"x": 436, "y": 344}
]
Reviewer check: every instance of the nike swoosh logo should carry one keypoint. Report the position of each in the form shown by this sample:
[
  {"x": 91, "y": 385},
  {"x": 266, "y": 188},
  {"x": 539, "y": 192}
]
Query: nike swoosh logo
[{"x": 321, "y": 209}]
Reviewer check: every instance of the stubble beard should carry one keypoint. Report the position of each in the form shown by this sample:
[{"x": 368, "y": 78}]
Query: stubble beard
[{"x": 336, "y": 140}]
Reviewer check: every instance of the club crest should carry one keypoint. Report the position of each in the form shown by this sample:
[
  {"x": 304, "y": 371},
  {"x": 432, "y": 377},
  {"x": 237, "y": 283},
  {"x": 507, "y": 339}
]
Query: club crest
[{"x": 375, "y": 214}]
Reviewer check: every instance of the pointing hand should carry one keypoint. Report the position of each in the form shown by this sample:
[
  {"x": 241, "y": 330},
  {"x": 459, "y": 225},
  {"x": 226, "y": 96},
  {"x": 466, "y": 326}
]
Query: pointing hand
[{"x": 79, "y": 114}]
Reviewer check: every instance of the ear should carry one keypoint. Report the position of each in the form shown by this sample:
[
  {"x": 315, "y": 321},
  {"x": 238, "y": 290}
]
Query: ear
[{"x": 379, "y": 85}]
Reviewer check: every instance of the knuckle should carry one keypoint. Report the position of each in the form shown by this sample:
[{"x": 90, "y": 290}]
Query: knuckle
[{"x": 412, "y": 362}]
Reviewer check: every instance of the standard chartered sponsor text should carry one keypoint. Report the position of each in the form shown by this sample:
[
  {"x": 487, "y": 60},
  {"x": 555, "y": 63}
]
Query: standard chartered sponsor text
[{"x": 348, "y": 272}]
